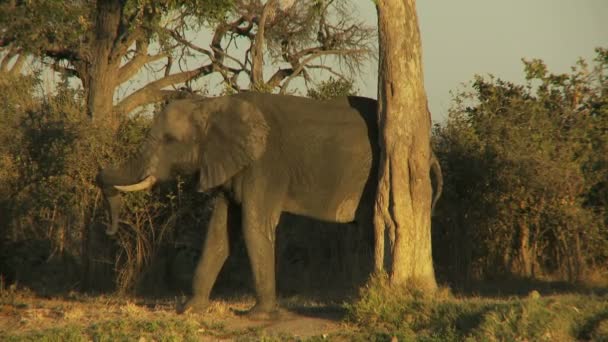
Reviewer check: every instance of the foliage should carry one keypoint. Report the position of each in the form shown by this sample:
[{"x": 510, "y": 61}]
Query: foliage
[
  {"x": 332, "y": 88},
  {"x": 384, "y": 312},
  {"x": 49, "y": 157},
  {"x": 525, "y": 172},
  {"x": 32, "y": 25},
  {"x": 43, "y": 26}
]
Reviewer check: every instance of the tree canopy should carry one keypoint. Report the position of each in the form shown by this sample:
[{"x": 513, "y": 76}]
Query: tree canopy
[{"x": 106, "y": 44}]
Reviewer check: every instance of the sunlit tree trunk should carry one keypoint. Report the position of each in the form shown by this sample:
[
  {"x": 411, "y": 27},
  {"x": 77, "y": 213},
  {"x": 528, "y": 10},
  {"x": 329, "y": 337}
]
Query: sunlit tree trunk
[
  {"x": 403, "y": 205},
  {"x": 101, "y": 71}
]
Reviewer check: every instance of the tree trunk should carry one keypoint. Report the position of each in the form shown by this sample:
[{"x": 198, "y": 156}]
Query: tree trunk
[
  {"x": 99, "y": 79},
  {"x": 103, "y": 66},
  {"x": 257, "y": 53},
  {"x": 525, "y": 256},
  {"x": 403, "y": 203}
]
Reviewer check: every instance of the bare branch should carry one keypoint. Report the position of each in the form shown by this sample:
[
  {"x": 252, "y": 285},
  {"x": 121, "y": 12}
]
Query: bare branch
[
  {"x": 168, "y": 66},
  {"x": 141, "y": 58},
  {"x": 328, "y": 69},
  {"x": 281, "y": 74},
  {"x": 318, "y": 54},
  {"x": 175, "y": 35},
  {"x": 303, "y": 30},
  {"x": 153, "y": 92},
  {"x": 217, "y": 58},
  {"x": 224, "y": 54}
]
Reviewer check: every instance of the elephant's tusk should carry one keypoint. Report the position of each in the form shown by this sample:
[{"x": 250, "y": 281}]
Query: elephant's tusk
[{"x": 144, "y": 184}]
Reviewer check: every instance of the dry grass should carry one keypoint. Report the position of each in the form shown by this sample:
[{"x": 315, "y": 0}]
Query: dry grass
[
  {"x": 24, "y": 316},
  {"x": 382, "y": 313}
]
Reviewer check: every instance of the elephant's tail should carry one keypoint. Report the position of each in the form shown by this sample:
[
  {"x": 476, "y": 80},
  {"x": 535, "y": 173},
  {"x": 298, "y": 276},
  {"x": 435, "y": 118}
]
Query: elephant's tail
[{"x": 436, "y": 169}]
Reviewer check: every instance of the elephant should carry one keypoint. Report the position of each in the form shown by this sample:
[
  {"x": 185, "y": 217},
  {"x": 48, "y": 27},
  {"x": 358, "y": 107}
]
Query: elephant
[{"x": 266, "y": 154}]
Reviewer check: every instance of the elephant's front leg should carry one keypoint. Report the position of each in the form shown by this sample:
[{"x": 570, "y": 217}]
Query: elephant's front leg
[
  {"x": 259, "y": 226},
  {"x": 214, "y": 254}
]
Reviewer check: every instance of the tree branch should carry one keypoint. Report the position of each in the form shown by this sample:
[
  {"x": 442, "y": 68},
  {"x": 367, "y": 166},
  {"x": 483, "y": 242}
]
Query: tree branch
[
  {"x": 328, "y": 69},
  {"x": 64, "y": 70},
  {"x": 217, "y": 58},
  {"x": 127, "y": 35},
  {"x": 126, "y": 41},
  {"x": 175, "y": 35},
  {"x": 281, "y": 74},
  {"x": 7, "y": 59},
  {"x": 141, "y": 58},
  {"x": 18, "y": 65},
  {"x": 61, "y": 53},
  {"x": 257, "y": 53},
  {"x": 153, "y": 92},
  {"x": 318, "y": 54}
]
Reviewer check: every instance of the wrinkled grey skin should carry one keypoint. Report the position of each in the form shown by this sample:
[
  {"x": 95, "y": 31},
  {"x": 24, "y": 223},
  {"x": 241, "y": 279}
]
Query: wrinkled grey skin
[{"x": 268, "y": 154}]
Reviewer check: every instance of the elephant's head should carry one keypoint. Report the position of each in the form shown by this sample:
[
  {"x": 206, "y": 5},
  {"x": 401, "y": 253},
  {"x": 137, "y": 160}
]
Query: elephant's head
[{"x": 216, "y": 137}]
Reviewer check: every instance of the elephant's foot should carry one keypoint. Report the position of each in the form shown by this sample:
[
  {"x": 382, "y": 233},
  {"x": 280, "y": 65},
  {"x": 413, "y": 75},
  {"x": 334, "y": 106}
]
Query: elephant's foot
[
  {"x": 265, "y": 313},
  {"x": 195, "y": 305}
]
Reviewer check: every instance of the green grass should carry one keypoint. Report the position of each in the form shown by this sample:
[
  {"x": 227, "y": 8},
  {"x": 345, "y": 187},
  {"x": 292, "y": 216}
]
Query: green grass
[
  {"x": 383, "y": 312},
  {"x": 117, "y": 330}
]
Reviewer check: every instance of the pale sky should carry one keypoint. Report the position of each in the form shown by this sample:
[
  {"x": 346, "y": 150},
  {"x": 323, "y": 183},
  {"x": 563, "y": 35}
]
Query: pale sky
[{"x": 461, "y": 38}]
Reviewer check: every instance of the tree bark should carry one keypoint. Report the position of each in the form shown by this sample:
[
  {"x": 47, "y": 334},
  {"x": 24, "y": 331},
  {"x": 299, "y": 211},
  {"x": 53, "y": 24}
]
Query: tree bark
[
  {"x": 99, "y": 76},
  {"x": 525, "y": 255},
  {"x": 403, "y": 204},
  {"x": 102, "y": 69},
  {"x": 257, "y": 52}
]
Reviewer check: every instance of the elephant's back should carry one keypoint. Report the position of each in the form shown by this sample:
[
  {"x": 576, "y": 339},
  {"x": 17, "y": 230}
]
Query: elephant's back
[{"x": 346, "y": 109}]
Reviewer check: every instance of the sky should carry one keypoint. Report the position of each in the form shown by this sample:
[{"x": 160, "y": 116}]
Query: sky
[{"x": 467, "y": 37}]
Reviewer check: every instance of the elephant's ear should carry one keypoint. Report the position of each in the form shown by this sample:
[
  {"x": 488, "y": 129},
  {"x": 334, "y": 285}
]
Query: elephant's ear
[{"x": 236, "y": 133}]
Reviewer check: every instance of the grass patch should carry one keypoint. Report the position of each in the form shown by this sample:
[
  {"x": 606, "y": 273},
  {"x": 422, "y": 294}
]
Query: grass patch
[
  {"x": 381, "y": 313},
  {"x": 155, "y": 330},
  {"x": 117, "y": 330},
  {"x": 384, "y": 312}
]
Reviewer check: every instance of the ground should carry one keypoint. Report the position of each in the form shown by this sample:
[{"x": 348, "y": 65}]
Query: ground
[
  {"x": 380, "y": 314},
  {"x": 75, "y": 317}
]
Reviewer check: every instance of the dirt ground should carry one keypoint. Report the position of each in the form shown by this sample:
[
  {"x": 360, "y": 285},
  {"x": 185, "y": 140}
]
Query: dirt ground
[{"x": 21, "y": 314}]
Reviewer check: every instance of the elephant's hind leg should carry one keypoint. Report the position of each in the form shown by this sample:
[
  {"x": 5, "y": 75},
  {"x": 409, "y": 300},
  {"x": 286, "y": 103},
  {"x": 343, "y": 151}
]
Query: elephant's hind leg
[{"x": 214, "y": 254}]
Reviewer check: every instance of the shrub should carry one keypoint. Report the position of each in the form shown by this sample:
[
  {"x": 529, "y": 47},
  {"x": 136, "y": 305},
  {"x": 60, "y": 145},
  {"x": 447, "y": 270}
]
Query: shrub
[
  {"x": 50, "y": 155},
  {"x": 332, "y": 88},
  {"x": 525, "y": 172}
]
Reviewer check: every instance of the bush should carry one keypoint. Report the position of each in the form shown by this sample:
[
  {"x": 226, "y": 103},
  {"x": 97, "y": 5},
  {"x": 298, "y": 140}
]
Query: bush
[
  {"x": 50, "y": 155},
  {"x": 525, "y": 176},
  {"x": 332, "y": 88}
]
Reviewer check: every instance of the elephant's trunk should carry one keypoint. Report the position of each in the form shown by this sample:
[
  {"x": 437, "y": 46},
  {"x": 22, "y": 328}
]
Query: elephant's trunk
[
  {"x": 111, "y": 180},
  {"x": 114, "y": 205}
]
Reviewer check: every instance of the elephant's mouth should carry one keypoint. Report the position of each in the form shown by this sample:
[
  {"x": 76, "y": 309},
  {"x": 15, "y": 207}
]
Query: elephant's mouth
[{"x": 141, "y": 185}]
